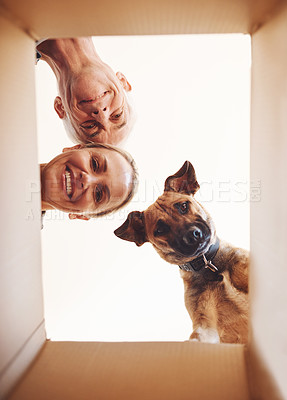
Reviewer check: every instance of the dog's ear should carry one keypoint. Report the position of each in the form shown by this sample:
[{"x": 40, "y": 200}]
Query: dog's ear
[
  {"x": 183, "y": 181},
  {"x": 133, "y": 229}
]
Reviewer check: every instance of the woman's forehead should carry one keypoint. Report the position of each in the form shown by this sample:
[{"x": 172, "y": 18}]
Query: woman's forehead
[{"x": 110, "y": 155}]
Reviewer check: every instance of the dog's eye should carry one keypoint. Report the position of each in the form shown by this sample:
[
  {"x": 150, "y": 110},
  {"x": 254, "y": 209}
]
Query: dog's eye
[
  {"x": 182, "y": 207},
  {"x": 161, "y": 228}
]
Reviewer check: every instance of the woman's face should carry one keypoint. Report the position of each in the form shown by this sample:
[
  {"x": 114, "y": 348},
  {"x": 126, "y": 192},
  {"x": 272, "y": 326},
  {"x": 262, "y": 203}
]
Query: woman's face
[{"x": 86, "y": 180}]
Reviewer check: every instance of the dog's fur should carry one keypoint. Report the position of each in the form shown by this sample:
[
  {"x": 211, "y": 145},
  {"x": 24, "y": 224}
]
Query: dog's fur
[{"x": 218, "y": 308}]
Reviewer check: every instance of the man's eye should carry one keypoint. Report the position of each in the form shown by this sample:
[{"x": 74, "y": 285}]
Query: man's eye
[
  {"x": 118, "y": 115},
  {"x": 95, "y": 164},
  {"x": 89, "y": 125},
  {"x": 98, "y": 194}
]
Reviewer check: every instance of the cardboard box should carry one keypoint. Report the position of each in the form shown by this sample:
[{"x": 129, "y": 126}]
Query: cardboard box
[{"x": 33, "y": 368}]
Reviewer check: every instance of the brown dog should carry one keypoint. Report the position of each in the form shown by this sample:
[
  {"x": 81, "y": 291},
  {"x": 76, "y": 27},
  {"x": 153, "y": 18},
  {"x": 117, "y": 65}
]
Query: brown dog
[{"x": 215, "y": 274}]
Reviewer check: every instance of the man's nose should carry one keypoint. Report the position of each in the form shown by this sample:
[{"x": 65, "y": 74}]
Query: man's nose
[{"x": 102, "y": 109}]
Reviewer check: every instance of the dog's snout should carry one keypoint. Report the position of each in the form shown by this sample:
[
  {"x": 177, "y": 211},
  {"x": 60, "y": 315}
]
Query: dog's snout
[
  {"x": 197, "y": 234},
  {"x": 193, "y": 235},
  {"x": 192, "y": 238}
]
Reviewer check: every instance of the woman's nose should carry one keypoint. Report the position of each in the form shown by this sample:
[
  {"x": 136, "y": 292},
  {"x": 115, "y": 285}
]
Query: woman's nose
[{"x": 86, "y": 179}]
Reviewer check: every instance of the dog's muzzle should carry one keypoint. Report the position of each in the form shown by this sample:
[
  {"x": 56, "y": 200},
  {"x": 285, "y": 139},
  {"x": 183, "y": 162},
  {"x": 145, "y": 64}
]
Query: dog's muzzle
[
  {"x": 193, "y": 240},
  {"x": 194, "y": 235}
]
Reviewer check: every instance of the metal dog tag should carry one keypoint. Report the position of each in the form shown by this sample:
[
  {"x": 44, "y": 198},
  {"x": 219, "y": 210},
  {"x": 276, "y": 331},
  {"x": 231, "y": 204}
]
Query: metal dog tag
[{"x": 209, "y": 265}]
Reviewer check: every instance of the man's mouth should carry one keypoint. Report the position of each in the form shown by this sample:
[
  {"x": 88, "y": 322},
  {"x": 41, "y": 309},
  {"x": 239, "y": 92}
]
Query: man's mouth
[{"x": 94, "y": 99}]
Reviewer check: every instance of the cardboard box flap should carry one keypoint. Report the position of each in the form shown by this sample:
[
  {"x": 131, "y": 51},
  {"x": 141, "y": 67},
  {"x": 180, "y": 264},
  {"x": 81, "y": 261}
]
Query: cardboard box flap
[
  {"x": 21, "y": 302},
  {"x": 142, "y": 17},
  {"x": 268, "y": 273},
  {"x": 142, "y": 371}
]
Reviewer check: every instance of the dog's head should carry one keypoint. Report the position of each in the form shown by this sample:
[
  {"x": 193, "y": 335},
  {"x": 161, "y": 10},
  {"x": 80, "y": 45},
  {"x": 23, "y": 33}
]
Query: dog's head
[{"x": 176, "y": 224}]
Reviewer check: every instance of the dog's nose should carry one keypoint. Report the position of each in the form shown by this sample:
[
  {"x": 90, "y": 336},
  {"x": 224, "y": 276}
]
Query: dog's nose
[
  {"x": 197, "y": 234},
  {"x": 193, "y": 235}
]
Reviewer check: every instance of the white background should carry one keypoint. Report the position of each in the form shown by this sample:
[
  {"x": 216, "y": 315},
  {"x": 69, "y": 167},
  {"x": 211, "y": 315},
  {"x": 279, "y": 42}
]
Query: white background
[{"x": 191, "y": 95}]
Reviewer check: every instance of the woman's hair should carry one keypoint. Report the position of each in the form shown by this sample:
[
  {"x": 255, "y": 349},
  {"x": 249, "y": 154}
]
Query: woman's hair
[{"x": 134, "y": 183}]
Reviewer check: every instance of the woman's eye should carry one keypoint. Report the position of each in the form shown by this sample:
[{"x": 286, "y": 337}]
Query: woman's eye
[
  {"x": 95, "y": 165},
  {"x": 98, "y": 194}
]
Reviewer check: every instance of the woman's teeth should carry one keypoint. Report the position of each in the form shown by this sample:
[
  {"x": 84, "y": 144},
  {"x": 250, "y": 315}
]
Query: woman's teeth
[{"x": 68, "y": 183}]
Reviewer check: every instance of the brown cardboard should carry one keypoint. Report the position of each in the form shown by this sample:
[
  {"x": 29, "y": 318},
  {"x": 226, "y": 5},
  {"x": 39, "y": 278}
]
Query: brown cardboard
[
  {"x": 268, "y": 216},
  {"x": 21, "y": 307},
  {"x": 54, "y": 18},
  {"x": 142, "y": 371},
  {"x": 150, "y": 370}
]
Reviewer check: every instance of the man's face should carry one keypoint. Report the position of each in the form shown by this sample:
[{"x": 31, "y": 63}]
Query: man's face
[
  {"x": 86, "y": 181},
  {"x": 96, "y": 105}
]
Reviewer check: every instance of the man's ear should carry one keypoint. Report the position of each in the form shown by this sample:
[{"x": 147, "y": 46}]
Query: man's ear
[
  {"x": 79, "y": 216},
  {"x": 124, "y": 82},
  {"x": 133, "y": 229},
  {"x": 58, "y": 105},
  {"x": 76, "y": 147},
  {"x": 183, "y": 181}
]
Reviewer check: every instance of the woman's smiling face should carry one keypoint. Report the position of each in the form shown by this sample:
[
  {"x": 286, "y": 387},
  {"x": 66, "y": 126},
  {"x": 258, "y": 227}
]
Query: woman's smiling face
[{"x": 89, "y": 180}]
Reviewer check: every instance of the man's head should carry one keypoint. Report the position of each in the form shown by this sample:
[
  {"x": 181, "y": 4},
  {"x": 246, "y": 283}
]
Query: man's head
[
  {"x": 88, "y": 182},
  {"x": 94, "y": 106}
]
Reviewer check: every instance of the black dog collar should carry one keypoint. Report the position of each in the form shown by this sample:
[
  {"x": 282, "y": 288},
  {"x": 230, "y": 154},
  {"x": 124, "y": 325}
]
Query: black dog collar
[{"x": 203, "y": 261}]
